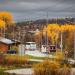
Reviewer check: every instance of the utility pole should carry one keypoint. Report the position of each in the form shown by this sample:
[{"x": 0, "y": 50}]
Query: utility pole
[
  {"x": 4, "y": 32},
  {"x": 41, "y": 38},
  {"x": 74, "y": 44},
  {"x": 74, "y": 40},
  {"x": 56, "y": 36},
  {"x": 61, "y": 45},
  {"x": 46, "y": 32},
  {"x": 13, "y": 34}
]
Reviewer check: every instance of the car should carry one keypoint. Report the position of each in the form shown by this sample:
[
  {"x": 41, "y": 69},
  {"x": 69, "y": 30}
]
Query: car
[
  {"x": 11, "y": 52},
  {"x": 71, "y": 61}
]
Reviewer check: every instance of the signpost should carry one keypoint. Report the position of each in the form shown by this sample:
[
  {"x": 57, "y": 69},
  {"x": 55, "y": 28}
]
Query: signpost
[{"x": 52, "y": 48}]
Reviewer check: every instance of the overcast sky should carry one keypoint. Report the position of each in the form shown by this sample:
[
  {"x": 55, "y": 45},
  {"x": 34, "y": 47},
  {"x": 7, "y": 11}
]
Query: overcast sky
[{"x": 35, "y": 9}]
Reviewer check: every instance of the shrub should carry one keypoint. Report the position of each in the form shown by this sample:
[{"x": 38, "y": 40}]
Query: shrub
[
  {"x": 51, "y": 68},
  {"x": 15, "y": 60},
  {"x": 46, "y": 68},
  {"x": 65, "y": 70},
  {"x": 59, "y": 56}
]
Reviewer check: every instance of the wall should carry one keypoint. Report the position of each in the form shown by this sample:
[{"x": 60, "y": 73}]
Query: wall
[{"x": 3, "y": 47}]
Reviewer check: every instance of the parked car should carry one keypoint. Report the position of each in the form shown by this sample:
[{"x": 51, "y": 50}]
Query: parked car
[
  {"x": 11, "y": 52},
  {"x": 71, "y": 61}
]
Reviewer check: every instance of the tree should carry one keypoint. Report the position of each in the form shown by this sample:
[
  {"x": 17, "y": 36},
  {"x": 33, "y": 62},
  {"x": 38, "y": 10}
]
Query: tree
[
  {"x": 52, "y": 32},
  {"x": 2, "y": 25},
  {"x": 37, "y": 38},
  {"x": 6, "y": 17},
  {"x": 46, "y": 68}
]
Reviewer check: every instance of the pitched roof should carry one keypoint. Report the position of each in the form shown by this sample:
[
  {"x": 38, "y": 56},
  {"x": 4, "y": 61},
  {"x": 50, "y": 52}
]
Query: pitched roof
[{"x": 5, "y": 40}]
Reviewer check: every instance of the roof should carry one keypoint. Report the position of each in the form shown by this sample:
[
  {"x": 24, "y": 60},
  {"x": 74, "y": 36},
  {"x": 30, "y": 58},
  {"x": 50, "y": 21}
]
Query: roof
[
  {"x": 16, "y": 40},
  {"x": 31, "y": 42},
  {"x": 34, "y": 31},
  {"x": 5, "y": 40}
]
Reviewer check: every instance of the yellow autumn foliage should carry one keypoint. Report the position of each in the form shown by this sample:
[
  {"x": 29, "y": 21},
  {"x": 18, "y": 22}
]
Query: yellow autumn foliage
[
  {"x": 62, "y": 28},
  {"x": 54, "y": 27},
  {"x": 70, "y": 27},
  {"x": 53, "y": 30},
  {"x": 6, "y": 17},
  {"x": 46, "y": 67},
  {"x": 59, "y": 55},
  {"x": 2, "y": 24},
  {"x": 16, "y": 58}
]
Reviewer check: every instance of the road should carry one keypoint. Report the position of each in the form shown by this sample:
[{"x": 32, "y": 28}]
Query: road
[
  {"x": 29, "y": 71},
  {"x": 73, "y": 71}
]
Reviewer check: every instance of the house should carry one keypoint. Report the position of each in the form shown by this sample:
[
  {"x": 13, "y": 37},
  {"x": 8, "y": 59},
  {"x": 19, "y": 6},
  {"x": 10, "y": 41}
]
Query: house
[{"x": 6, "y": 44}]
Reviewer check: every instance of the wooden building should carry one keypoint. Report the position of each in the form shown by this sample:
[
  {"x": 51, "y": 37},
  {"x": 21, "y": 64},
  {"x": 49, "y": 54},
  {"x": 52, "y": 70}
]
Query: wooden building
[{"x": 7, "y": 44}]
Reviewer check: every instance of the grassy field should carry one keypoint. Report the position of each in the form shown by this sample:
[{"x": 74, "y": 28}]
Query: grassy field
[{"x": 25, "y": 56}]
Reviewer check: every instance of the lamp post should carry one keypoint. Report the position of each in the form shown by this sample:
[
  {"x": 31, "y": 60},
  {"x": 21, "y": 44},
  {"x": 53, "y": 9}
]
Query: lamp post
[{"x": 61, "y": 44}]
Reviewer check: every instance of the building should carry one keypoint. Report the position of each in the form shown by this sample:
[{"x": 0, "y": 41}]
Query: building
[
  {"x": 30, "y": 46},
  {"x": 6, "y": 44}
]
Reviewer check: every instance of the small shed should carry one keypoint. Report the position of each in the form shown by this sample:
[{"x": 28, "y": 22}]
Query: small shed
[
  {"x": 5, "y": 44},
  {"x": 30, "y": 46}
]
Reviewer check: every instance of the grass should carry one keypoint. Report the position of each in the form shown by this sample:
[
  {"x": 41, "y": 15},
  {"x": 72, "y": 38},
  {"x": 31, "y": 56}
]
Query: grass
[
  {"x": 28, "y": 65},
  {"x": 4, "y": 68},
  {"x": 26, "y": 56},
  {"x": 35, "y": 57}
]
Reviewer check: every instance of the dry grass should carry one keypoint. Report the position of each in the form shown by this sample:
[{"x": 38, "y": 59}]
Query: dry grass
[{"x": 50, "y": 68}]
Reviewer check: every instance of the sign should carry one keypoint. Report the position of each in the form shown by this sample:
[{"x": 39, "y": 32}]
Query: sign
[
  {"x": 52, "y": 48},
  {"x": 43, "y": 49}
]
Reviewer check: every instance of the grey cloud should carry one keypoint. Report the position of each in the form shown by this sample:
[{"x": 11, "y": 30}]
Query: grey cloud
[{"x": 38, "y": 8}]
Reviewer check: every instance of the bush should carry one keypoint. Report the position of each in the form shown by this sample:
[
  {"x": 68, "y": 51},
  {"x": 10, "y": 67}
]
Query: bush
[
  {"x": 50, "y": 68},
  {"x": 15, "y": 60},
  {"x": 46, "y": 68},
  {"x": 64, "y": 71},
  {"x": 59, "y": 56}
]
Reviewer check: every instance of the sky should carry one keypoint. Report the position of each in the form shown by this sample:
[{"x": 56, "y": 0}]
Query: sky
[{"x": 38, "y": 9}]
